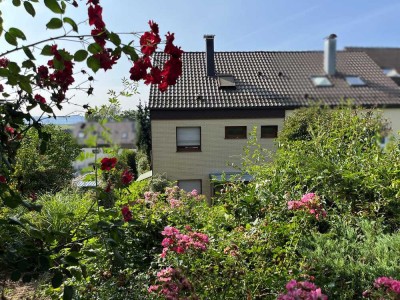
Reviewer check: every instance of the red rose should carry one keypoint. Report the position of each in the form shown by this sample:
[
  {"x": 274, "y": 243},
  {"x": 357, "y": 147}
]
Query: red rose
[
  {"x": 126, "y": 213},
  {"x": 40, "y": 99},
  {"x": 153, "y": 26},
  {"x": 95, "y": 17},
  {"x": 108, "y": 163},
  {"x": 149, "y": 42},
  {"x": 126, "y": 177},
  {"x": 3, "y": 179}
]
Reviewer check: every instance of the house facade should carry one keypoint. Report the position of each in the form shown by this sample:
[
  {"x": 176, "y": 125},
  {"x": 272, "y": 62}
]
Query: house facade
[{"x": 201, "y": 125}]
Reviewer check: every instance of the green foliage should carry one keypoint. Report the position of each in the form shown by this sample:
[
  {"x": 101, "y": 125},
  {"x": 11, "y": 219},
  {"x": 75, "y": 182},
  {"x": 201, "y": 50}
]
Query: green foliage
[
  {"x": 142, "y": 162},
  {"x": 128, "y": 157},
  {"x": 36, "y": 172},
  {"x": 143, "y": 130}
]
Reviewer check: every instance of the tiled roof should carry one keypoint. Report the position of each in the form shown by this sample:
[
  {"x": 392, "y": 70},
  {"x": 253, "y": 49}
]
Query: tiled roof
[
  {"x": 383, "y": 57},
  {"x": 274, "y": 79}
]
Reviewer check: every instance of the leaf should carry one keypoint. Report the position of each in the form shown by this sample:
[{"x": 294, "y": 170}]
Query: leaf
[
  {"x": 25, "y": 86},
  {"x": 16, "y": 2},
  {"x": 4, "y": 72},
  {"x": 65, "y": 54},
  {"x": 58, "y": 64},
  {"x": 44, "y": 263},
  {"x": 114, "y": 38},
  {"x": 29, "y": 8},
  {"x": 15, "y": 276},
  {"x": 93, "y": 63},
  {"x": 1, "y": 26},
  {"x": 28, "y": 53},
  {"x": 15, "y": 221},
  {"x": 128, "y": 50},
  {"x": 80, "y": 55},
  {"x": 53, "y": 6},
  {"x": 26, "y": 278},
  {"x": 13, "y": 67},
  {"x": 68, "y": 292},
  {"x": 72, "y": 261},
  {"x": 12, "y": 40},
  {"x": 28, "y": 64},
  {"x": 94, "y": 48},
  {"x": 57, "y": 279},
  {"x": 72, "y": 23},
  {"x": 17, "y": 33},
  {"x": 46, "y": 50},
  {"x": 54, "y": 23}
]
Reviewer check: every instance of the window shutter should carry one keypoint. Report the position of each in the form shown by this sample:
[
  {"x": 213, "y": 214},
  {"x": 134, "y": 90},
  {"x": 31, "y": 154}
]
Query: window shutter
[{"x": 188, "y": 136}]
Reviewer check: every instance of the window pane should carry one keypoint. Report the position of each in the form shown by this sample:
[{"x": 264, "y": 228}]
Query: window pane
[
  {"x": 190, "y": 185},
  {"x": 235, "y": 132},
  {"x": 354, "y": 81},
  {"x": 269, "y": 131},
  {"x": 321, "y": 81},
  {"x": 188, "y": 138}
]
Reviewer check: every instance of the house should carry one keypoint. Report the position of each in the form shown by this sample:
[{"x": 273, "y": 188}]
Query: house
[
  {"x": 386, "y": 58},
  {"x": 200, "y": 125}
]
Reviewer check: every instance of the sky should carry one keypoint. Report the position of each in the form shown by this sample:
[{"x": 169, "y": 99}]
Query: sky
[{"x": 238, "y": 25}]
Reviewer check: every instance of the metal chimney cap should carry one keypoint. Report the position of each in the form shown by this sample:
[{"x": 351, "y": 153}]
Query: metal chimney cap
[
  {"x": 331, "y": 36},
  {"x": 209, "y": 36}
]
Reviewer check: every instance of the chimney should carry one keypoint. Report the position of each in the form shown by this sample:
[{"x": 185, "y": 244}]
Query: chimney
[
  {"x": 330, "y": 55},
  {"x": 210, "y": 66}
]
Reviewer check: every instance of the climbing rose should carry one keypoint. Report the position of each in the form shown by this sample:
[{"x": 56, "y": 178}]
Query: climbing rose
[
  {"x": 108, "y": 163},
  {"x": 3, "y": 62},
  {"x": 3, "y": 179},
  {"x": 126, "y": 213},
  {"x": 126, "y": 177},
  {"x": 40, "y": 99},
  {"x": 95, "y": 16}
]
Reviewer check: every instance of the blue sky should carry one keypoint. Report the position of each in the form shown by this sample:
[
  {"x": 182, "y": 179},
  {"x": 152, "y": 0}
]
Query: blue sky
[{"x": 238, "y": 25}]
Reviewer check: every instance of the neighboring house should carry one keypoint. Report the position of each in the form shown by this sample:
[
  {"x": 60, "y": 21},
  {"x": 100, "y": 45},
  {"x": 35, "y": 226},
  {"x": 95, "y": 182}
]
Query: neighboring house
[
  {"x": 111, "y": 133},
  {"x": 200, "y": 125},
  {"x": 386, "y": 58}
]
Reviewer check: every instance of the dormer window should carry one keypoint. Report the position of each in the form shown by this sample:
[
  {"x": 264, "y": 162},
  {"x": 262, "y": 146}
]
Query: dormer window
[
  {"x": 226, "y": 82},
  {"x": 354, "y": 81},
  {"x": 321, "y": 81}
]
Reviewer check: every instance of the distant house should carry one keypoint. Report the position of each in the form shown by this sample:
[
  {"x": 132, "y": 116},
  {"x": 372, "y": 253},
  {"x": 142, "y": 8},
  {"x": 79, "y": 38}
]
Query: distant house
[
  {"x": 203, "y": 122},
  {"x": 122, "y": 133},
  {"x": 386, "y": 58}
]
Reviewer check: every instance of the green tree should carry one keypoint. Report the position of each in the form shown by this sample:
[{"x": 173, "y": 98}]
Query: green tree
[
  {"x": 50, "y": 171},
  {"x": 143, "y": 130}
]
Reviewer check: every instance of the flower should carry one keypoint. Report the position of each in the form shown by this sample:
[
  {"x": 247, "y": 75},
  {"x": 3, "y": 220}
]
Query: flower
[
  {"x": 108, "y": 163},
  {"x": 95, "y": 16},
  {"x": 126, "y": 213},
  {"x": 302, "y": 290},
  {"x": 4, "y": 62},
  {"x": 126, "y": 177},
  {"x": 148, "y": 42},
  {"x": 1, "y": 88},
  {"x": 309, "y": 202},
  {"x": 3, "y": 179},
  {"x": 40, "y": 99}
]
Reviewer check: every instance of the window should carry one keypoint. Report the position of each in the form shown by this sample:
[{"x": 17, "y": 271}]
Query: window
[
  {"x": 235, "y": 132},
  {"x": 190, "y": 185},
  {"x": 124, "y": 135},
  {"x": 188, "y": 139},
  {"x": 226, "y": 81},
  {"x": 81, "y": 134},
  {"x": 354, "y": 81},
  {"x": 321, "y": 81},
  {"x": 269, "y": 132}
]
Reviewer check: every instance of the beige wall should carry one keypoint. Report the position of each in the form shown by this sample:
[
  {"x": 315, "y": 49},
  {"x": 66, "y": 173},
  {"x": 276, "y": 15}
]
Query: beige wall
[
  {"x": 393, "y": 115},
  {"x": 216, "y": 151}
]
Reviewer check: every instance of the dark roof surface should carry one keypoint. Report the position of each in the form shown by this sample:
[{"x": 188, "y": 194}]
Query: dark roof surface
[
  {"x": 258, "y": 83},
  {"x": 383, "y": 57}
]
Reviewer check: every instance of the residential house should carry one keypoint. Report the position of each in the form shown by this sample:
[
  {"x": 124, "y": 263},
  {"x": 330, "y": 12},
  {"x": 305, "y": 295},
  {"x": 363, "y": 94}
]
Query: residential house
[{"x": 200, "y": 125}]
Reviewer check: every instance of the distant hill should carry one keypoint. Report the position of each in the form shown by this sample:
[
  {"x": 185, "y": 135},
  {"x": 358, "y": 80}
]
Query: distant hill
[{"x": 64, "y": 120}]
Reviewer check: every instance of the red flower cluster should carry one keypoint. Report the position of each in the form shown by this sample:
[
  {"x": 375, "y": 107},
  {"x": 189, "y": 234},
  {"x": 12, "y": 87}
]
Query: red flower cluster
[
  {"x": 3, "y": 62},
  {"x": 3, "y": 179},
  {"x": 126, "y": 177},
  {"x": 302, "y": 290},
  {"x": 173, "y": 285},
  {"x": 108, "y": 163},
  {"x": 172, "y": 67},
  {"x": 99, "y": 33},
  {"x": 180, "y": 243},
  {"x": 126, "y": 213},
  {"x": 40, "y": 99},
  {"x": 384, "y": 288},
  {"x": 311, "y": 203}
]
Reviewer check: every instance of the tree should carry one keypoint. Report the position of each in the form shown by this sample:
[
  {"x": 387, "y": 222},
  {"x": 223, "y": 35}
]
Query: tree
[
  {"x": 143, "y": 130},
  {"x": 49, "y": 171}
]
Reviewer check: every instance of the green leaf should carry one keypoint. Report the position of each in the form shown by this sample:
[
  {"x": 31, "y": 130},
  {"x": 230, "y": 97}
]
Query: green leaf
[
  {"x": 1, "y": 26},
  {"x": 15, "y": 221},
  {"x": 72, "y": 261},
  {"x": 53, "y": 6},
  {"x": 46, "y": 50},
  {"x": 4, "y": 72},
  {"x": 65, "y": 54},
  {"x": 17, "y": 33},
  {"x": 128, "y": 50},
  {"x": 25, "y": 86},
  {"x": 93, "y": 63},
  {"x": 29, "y": 8},
  {"x": 28, "y": 53},
  {"x": 58, "y": 64},
  {"x": 54, "y": 23},
  {"x": 15, "y": 276},
  {"x": 72, "y": 23},
  {"x": 13, "y": 67},
  {"x": 95, "y": 48},
  {"x": 114, "y": 38},
  {"x": 44, "y": 263},
  {"x": 12, "y": 40},
  {"x": 57, "y": 279},
  {"x": 80, "y": 55},
  {"x": 68, "y": 292},
  {"x": 28, "y": 64},
  {"x": 16, "y": 2},
  {"x": 48, "y": 110}
]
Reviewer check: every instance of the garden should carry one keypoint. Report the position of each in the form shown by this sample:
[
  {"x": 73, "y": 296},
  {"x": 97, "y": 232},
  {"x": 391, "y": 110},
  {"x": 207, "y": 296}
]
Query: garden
[{"x": 319, "y": 219}]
